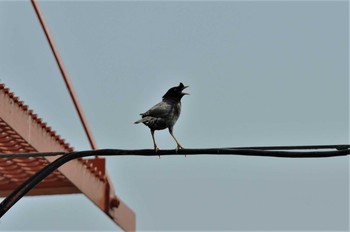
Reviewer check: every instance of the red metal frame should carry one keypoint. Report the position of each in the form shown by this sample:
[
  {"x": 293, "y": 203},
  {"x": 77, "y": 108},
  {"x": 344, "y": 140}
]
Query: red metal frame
[
  {"x": 23, "y": 131},
  {"x": 64, "y": 75}
]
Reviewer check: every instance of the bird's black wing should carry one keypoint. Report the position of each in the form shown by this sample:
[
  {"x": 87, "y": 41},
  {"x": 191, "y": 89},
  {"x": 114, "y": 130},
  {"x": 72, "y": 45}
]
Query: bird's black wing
[
  {"x": 161, "y": 110},
  {"x": 157, "y": 118}
]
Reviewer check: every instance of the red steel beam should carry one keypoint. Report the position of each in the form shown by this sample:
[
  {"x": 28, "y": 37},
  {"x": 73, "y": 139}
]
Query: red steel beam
[
  {"x": 119, "y": 212},
  {"x": 88, "y": 176},
  {"x": 65, "y": 75}
]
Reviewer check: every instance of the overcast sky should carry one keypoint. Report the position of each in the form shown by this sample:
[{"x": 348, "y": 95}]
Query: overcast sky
[{"x": 261, "y": 73}]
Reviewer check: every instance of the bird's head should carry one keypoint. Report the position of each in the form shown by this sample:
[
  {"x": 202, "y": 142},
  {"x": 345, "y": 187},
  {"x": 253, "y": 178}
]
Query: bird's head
[{"x": 176, "y": 92}]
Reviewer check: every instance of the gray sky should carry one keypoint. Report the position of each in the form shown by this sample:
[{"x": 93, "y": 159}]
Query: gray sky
[{"x": 260, "y": 73}]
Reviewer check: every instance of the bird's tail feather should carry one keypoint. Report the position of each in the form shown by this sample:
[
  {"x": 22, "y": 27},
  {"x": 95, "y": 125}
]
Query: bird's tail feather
[{"x": 142, "y": 120}]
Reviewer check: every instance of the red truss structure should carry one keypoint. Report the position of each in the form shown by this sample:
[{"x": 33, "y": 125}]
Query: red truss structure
[{"x": 22, "y": 131}]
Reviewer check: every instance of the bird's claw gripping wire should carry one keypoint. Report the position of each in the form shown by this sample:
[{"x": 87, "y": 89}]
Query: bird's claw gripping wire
[
  {"x": 156, "y": 149},
  {"x": 179, "y": 147}
]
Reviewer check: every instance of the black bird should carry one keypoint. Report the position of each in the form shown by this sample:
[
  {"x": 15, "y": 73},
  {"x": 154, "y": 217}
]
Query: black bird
[{"x": 165, "y": 113}]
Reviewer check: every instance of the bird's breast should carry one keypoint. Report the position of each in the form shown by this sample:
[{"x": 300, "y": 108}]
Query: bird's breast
[{"x": 174, "y": 114}]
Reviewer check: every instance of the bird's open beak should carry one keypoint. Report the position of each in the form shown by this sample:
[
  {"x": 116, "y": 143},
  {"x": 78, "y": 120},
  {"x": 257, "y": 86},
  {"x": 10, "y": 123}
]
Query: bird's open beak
[{"x": 183, "y": 93}]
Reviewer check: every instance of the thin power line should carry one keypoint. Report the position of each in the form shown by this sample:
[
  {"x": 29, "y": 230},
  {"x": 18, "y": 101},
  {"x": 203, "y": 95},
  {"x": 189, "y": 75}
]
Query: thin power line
[
  {"x": 312, "y": 151},
  {"x": 25, "y": 187}
]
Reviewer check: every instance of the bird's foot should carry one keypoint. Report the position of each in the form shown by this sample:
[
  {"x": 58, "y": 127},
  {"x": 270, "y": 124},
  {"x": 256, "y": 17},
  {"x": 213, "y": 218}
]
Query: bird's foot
[
  {"x": 156, "y": 149},
  {"x": 179, "y": 147}
]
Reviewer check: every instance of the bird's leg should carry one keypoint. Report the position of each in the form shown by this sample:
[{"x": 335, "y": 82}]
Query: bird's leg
[
  {"x": 178, "y": 145},
  {"x": 154, "y": 142}
]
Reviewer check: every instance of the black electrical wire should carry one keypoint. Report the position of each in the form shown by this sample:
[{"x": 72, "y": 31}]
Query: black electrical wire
[
  {"x": 20, "y": 191},
  {"x": 103, "y": 152}
]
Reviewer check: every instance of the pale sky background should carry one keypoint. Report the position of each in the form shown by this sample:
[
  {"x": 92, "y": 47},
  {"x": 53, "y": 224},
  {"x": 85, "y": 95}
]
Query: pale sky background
[{"x": 260, "y": 73}]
